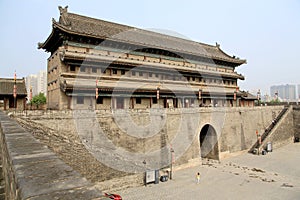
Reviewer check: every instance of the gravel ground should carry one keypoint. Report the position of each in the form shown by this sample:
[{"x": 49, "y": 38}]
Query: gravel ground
[{"x": 272, "y": 176}]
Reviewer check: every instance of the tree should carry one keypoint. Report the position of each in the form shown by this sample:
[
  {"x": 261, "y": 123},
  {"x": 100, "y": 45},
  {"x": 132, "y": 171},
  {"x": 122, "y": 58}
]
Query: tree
[
  {"x": 275, "y": 102},
  {"x": 38, "y": 99}
]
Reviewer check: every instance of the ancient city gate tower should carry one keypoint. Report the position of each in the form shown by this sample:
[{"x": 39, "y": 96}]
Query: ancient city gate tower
[{"x": 95, "y": 64}]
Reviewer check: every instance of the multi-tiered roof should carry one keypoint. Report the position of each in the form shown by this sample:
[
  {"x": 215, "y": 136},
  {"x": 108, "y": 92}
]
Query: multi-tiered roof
[{"x": 99, "y": 30}]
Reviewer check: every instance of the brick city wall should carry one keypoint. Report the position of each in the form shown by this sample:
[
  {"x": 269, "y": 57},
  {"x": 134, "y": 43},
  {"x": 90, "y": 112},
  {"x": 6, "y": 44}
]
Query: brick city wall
[
  {"x": 235, "y": 129},
  {"x": 296, "y": 116}
]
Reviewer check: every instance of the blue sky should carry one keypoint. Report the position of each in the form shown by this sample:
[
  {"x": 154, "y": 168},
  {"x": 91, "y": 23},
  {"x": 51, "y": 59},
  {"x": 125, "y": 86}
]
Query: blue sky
[{"x": 266, "y": 33}]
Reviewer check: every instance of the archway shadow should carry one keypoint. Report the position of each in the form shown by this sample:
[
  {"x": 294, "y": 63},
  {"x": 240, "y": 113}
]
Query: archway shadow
[{"x": 209, "y": 147}]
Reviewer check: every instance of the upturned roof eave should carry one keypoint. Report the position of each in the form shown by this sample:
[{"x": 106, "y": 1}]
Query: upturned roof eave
[
  {"x": 61, "y": 27},
  {"x": 42, "y": 45},
  {"x": 236, "y": 60}
]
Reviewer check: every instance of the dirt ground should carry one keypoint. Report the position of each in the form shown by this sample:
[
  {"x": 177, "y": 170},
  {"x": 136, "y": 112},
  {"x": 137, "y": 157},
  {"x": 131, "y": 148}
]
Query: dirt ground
[{"x": 272, "y": 176}]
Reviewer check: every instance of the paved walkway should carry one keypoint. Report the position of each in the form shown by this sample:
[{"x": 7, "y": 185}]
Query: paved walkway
[
  {"x": 34, "y": 172},
  {"x": 272, "y": 176}
]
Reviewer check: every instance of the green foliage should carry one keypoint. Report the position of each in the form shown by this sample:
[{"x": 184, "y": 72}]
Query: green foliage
[
  {"x": 38, "y": 99},
  {"x": 274, "y": 101}
]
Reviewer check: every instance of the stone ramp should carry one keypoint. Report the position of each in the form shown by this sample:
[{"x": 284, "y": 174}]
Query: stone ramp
[
  {"x": 32, "y": 171},
  {"x": 271, "y": 130}
]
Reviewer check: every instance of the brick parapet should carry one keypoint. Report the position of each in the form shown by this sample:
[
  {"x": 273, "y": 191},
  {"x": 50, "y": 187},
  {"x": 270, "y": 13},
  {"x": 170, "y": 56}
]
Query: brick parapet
[{"x": 32, "y": 171}]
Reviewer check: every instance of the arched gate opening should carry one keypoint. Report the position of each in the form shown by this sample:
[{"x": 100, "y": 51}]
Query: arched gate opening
[{"x": 209, "y": 142}]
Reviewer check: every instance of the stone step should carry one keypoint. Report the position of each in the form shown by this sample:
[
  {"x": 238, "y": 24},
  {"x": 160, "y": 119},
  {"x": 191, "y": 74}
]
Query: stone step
[
  {"x": 2, "y": 196},
  {"x": 2, "y": 189}
]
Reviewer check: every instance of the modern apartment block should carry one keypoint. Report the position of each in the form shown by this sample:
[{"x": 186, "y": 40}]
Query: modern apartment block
[
  {"x": 37, "y": 83},
  {"x": 284, "y": 92}
]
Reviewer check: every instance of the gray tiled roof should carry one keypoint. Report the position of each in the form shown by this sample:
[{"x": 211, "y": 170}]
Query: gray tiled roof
[
  {"x": 7, "y": 86},
  {"x": 86, "y": 26},
  {"x": 248, "y": 96}
]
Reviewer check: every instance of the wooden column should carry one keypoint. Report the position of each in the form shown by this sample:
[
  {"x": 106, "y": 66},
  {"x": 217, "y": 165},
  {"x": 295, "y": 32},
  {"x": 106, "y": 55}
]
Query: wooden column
[
  {"x": 69, "y": 102},
  {"x": 24, "y": 104},
  {"x": 132, "y": 102},
  {"x": 112, "y": 102},
  {"x": 5, "y": 102},
  {"x": 165, "y": 102}
]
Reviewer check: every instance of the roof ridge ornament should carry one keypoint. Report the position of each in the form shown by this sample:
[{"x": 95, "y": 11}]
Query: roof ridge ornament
[
  {"x": 64, "y": 15},
  {"x": 217, "y": 45},
  {"x": 63, "y": 10}
]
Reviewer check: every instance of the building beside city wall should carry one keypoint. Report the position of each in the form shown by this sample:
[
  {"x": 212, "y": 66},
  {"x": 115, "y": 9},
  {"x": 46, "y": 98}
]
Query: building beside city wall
[
  {"x": 135, "y": 68},
  {"x": 7, "y": 99}
]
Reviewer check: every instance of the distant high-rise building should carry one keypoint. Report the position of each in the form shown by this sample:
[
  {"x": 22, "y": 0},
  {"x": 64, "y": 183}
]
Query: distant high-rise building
[
  {"x": 285, "y": 92},
  {"x": 38, "y": 83},
  {"x": 42, "y": 82},
  {"x": 298, "y": 91},
  {"x": 31, "y": 82}
]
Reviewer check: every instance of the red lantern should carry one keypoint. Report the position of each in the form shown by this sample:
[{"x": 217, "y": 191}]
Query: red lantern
[
  {"x": 97, "y": 89},
  {"x": 200, "y": 94},
  {"x": 15, "y": 86},
  {"x": 157, "y": 93}
]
